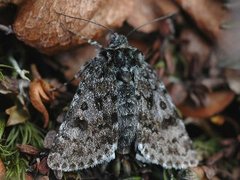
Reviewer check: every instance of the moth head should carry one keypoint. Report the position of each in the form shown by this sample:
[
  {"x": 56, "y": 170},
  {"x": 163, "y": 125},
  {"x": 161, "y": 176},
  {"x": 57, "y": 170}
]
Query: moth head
[{"x": 118, "y": 41}]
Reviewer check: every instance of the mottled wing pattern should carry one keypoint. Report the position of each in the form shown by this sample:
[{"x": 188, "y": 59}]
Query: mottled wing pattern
[
  {"x": 88, "y": 136},
  {"x": 161, "y": 136}
]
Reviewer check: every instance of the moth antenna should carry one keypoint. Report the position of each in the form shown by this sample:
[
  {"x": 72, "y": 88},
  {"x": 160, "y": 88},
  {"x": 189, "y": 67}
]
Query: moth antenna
[
  {"x": 154, "y": 20},
  {"x": 87, "y": 20},
  {"x": 89, "y": 41}
]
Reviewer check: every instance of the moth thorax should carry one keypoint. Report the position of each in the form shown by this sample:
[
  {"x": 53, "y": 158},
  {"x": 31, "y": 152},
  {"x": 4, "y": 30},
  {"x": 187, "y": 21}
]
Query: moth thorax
[{"x": 117, "y": 41}]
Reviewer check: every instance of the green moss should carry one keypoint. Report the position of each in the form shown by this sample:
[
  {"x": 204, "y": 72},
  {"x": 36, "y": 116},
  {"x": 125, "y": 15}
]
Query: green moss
[{"x": 16, "y": 164}]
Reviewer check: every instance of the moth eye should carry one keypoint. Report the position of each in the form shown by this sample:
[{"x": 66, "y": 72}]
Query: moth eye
[
  {"x": 163, "y": 105},
  {"x": 84, "y": 106}
]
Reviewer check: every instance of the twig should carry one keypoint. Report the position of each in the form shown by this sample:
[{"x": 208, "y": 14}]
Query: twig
[
  {"x": 22, "y": 73},
  {"x": 7, "y": 29}
]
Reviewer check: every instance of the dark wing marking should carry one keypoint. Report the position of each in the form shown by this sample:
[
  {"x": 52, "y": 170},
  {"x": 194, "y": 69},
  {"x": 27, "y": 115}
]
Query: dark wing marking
[
  {"x": 161, "y": 137},
  {"x": 88, "y": 136}
]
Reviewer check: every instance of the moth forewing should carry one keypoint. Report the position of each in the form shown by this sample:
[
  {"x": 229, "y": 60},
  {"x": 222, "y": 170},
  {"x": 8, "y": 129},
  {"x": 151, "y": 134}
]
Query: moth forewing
[{"x": 119, "y": 100}]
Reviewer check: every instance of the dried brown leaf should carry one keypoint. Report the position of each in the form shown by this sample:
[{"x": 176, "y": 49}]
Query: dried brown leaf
[
  {"x": 4, "y": 3},
  {"x": 28, "y": 177},
  {"x": 39, "y": 92},
  {"x": 209, "y": 171},
  {"x": 17, "y": 115},
  {"x": 9, "y": 85},
  {"x": 178, "y": 93},
  {"x": 208, "y": 15},
  {"x": 236, "y": 173},
  {"x": 215, "y": 102},
  {"x": 229, "y": 41},
  {"x": 200, "y": 172},
  {"x": 145, "y": 11},
  {"x": 42, "y": 178},
  {"x": 42, "y": 166},
  {"x": 40, "y": 25},
  {"x": 214, "y": 158},
  {"x": 72, "y": 60},
  {"x": 28, "y": 149},
  {"x": 195, "y": 50}
]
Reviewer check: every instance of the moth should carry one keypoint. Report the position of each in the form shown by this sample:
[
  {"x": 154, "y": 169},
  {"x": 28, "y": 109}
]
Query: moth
[{"x": 120, "y": 102}]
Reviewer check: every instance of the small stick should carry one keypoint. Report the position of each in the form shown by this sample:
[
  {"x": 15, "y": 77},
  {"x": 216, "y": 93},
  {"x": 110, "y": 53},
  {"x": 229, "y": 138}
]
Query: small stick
[{"x": 7, "y": 29}]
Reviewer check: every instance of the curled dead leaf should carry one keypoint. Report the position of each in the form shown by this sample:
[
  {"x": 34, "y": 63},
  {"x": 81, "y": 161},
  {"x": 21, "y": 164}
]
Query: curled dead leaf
[
  {"x": 215, "y": 102},
  {"x": 42, "y": 23},
  {"x": 40, "y": 92},
  {"x": 17, "y": 115}
]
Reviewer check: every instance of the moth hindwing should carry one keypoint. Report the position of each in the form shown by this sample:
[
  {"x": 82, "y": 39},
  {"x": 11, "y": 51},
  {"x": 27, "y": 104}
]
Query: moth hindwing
[{"x": 120, "y": 101}]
